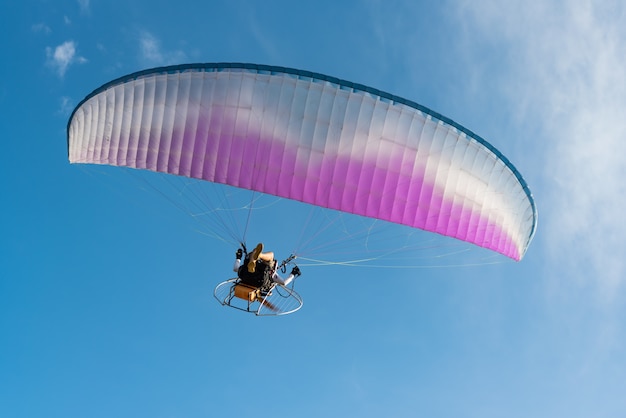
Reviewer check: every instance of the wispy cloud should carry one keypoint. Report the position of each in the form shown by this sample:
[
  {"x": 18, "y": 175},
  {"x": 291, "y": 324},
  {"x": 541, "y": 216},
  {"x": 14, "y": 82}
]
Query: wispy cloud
[
  {"x": 85, "y": 6},
  {"x": 61, "y": 57},
  {"x": 153, "y": 54},
  {"x": 65, "y": 106},
  {"x": 259, "y": 32},
  {"x": 567, "y": 74},
  {"x": 41, "y": 28}
]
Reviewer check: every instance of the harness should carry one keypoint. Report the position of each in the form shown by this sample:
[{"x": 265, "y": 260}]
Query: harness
[{"x": 262, "y": 276}]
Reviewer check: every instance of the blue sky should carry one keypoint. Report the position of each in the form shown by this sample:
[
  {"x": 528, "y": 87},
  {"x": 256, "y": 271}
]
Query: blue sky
[{"x": 106, "y": 304}]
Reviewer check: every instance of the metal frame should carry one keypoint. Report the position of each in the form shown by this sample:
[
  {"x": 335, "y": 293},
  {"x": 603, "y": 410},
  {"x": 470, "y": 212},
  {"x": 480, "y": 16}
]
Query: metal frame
[{"x": 284, "y": 299}]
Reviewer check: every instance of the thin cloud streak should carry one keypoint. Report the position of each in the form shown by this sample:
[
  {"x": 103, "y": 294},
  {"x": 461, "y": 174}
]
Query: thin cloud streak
[
  {"x": 85, "y": 6},
  {"x": 41, "y": 28},
  {"x": 66, "y": 105},
  {"x": 568, "y": 75},
  {"x": 153, "y": 54}
]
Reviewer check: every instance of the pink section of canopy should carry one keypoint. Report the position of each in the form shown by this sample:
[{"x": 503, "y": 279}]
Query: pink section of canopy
[{"x": 196, "y": 134}]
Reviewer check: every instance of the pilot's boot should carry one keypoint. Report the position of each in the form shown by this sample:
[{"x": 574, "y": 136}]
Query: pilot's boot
[{"x": 254, "y": 256}]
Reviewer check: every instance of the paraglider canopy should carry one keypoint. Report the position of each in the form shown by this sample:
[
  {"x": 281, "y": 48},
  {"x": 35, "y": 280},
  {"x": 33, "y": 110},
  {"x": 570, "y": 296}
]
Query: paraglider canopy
[{"x": 311, "y": 138}]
